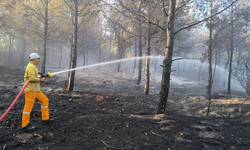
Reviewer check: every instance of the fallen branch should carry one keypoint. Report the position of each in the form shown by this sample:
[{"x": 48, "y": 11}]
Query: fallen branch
[
  {"x": 115, "y": 127},
  {"x": 109, "y": 146},
  {"x": 246, "y": 129},
  {"x": 237, "y": 141},
  {"x": 107, "y": 118},
  {"x": 158, "y": 134}
]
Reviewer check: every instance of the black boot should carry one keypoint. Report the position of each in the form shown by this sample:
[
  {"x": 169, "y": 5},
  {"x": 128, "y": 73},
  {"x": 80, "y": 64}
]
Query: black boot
[
  {"x": 50, "y": 121},
  {"x": 29, "y": 128}
]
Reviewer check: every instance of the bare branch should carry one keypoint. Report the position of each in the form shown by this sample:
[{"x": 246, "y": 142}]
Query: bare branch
[
  {"x": 164, "y": 9},
  {"x": 32, "y": 10},
  {"x": 157, "y": 134},
  {"x": 156, "y": 41},
  {"x": 205, "y": 18},
  {"x": 40, "y": 12},
  {"x": 181, "y": 6},
  {"x": 135, "y": 14},
  {"x": 81, "y": 21},
  {"x": 43, "y": 3},
  {"x": 38, "y": 34},
  {"x": 241, "y": 40},
  {"x": 110, "y": 146},
  {"x": 80, "y": 11},
  {"x": 68, "y": 5}
]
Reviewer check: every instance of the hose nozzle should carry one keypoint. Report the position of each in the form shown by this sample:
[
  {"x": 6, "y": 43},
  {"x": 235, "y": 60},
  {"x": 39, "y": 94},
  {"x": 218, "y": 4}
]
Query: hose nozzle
[
  {"x": 44, "y": 75},
  {"x": 49, "y": 74}
]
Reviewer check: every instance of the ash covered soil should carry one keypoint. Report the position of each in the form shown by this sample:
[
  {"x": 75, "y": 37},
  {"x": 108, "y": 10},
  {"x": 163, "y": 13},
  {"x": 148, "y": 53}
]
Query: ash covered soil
[{"x": 107, "y": 110}]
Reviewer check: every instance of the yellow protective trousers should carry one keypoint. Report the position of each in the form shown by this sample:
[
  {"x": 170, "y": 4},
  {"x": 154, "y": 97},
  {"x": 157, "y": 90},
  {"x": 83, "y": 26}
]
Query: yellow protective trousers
[{"x": 30, "y": 97}]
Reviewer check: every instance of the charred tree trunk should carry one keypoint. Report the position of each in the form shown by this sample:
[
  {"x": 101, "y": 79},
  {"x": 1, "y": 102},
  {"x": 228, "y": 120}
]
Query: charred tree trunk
[
  {"x": 135, "y": 60},
  {"x": 165, "y": 82},
  {"x": 71, "y": 48},
  {"x": 231, "y": 54},
  {"x": 74, "y": 50},
  {"x": 209, "y": 86},
  {"x": 140, "y": 61},
  {"x": 147, "y": 64},
  {"x": 45, "y": 36}
]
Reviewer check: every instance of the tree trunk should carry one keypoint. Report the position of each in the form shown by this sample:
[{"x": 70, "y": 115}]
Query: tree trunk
[
  {"x": 178, "y": 69},
  {"x": 110, "y": 48},
  {"x": 165, "y": 82},
  {"x": 22, "y": 57},
  {"x": 100, "y": 50},
  {"x": 5, "y": 58},
  {"x": 120, "y": 48},
  {"x": 231, "y": 54},
  {"x": 121, "y": 54},
  {"x": 199, "y": 74},
  {"x": 87, "y": 57},
  {"x": 83, "y": 50},
  {"x": 71, "y": 48},
  {"x": 10, "y": 45},
  {"x": 74, "y": 50},
  {"x": 156, "y": 62},
  {"x": 134, "y": 60},
  {"x": 225, "y": 70},
  {"x": 219, "y": 57},
  {"x": 215, "y": 65},
  {"x": 61, "y": 54},
  {"x": 184, "y": 64},
  {"x": 209, "y": 86},
  {"x": 140, "y": 60},
  {"x": 48, "y": 55},
  {"x": 238, "y": 57},
  {"x": 147, "y": 64},
  {"x": 45, "y": 36}
]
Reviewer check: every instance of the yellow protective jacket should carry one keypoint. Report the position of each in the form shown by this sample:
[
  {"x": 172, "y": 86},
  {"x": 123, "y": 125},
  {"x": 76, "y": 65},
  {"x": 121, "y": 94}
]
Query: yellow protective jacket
[{"x": 31, "y": 73}]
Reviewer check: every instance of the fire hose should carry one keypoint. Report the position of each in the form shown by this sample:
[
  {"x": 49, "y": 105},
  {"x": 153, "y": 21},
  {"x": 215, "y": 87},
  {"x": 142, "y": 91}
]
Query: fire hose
[
  {"x": 50, "y": 74},
  {"x": 26, "y": 84}
]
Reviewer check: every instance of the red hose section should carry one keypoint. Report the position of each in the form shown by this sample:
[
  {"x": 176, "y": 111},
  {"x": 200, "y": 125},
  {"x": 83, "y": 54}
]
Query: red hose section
[{"x": 13, "y": 103}]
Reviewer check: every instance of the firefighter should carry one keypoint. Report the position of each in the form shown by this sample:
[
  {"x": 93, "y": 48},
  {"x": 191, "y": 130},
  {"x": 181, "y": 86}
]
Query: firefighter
[{"x": 33, "y": 92}]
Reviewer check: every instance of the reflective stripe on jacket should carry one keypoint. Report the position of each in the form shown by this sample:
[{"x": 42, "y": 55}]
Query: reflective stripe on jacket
[{"x": 31, "y": 73}]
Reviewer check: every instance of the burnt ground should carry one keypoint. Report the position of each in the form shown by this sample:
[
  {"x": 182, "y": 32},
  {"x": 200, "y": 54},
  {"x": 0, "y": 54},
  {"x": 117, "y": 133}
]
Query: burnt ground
[{"x": 107, "y": 110}]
